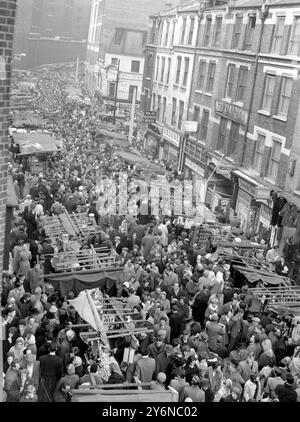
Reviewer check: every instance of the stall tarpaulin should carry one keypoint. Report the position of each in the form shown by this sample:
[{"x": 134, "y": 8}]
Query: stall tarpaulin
[
  {"x": 254, "y": 277},
  {"x": 141, "y": 161},
  {"x": 35, "y": 143},
  {"x": 78, "y": 281}
]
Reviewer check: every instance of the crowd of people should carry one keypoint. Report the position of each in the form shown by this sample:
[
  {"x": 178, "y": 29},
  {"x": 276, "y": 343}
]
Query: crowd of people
[{"x": 206, "y": 338}]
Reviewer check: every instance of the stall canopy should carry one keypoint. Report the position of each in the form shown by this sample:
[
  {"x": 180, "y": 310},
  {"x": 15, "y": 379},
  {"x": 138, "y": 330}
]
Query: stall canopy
[
  {"x": 140, "y": 161},
  {"x": 30, "y": 122},
  {"x": 113, "y": 135},
  {"x": 78, "y": 281},
  {"x": 36, "y": 143}
]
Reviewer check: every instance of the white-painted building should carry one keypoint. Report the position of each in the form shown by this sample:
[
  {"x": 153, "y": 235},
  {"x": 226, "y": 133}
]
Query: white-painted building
[{"x": 123, "y": 67}]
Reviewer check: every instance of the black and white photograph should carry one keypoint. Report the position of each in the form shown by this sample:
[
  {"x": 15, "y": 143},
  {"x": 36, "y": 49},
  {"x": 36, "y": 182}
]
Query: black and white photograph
[{"x": 149, "y": 205}]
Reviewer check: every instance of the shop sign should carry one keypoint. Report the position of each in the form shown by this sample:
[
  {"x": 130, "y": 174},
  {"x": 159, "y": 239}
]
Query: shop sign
[
  {"x": 150, "y": 117},
  {"x": 232, "y": 112},
  {"x": 194, "y": 167},
  {"x": 247, "y": 187},
  {"x": 171, "y": 136},
  {"x": 262, "y": 193},
  {"x": 244, "y": 197},
  {"x": 189, "y": 126}
]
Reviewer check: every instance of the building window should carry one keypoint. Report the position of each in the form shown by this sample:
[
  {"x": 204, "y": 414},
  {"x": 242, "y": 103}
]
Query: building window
[
  {"x": 191, "y": 33},
  {"x": 169, "y": 69},
  {"x": 207, "y": 31},
  {"x": 164, "y": 109},
  {"x": 250, "y": 28},
  {"x": 237, "y": 32},
  {"x": 135, "y": 66},
  {"x": 146, "y": 99},
  {"x": 153, "y": 106},
  {"x": 186, "y": 71},
  {"x": 180, "y": 116},
  {"x": 278, "y": 34},
  {"x": 111, "y": 89},
  {"x": 158, "y": 109},
  {"x": 196, "y": 118},
  {"x": 204, "y": 125},
  {"x": 285, "y": 95},
  {"x": 295, "y": 38},
  {"x": 222, "y": 133},
  {"x": 234, "y": 138},
  {"x": 183, "y": 31},
  {"x": 173, "y": 33},
  {"x": 268, "y": 92},
  {"x": 259, "y": 152},
  {"x": 160, "y": 34},
  {"x": 218, "y": 31},
  {"x": 157, "y": 68},
  {"x": 163, "y": 64},
  {"x": 114, "y": 61},
  {"x": 230, "y": 81},
  {"x": 174, "y": 105},
  {"x": 179, "y": 60},
  {"x": 153, "y": 33},
  {"x": 149, "y": 66},
  {"x": 119, "y": 36},
  {"x": 201, "y": 77},
  {"x": 132, "y": 89},
  {"x": 210, "y": 77},
  {"x": 275, "y": 159},
  {"x": 242, "y": 84},
  {"x": 167, "y": 33}
]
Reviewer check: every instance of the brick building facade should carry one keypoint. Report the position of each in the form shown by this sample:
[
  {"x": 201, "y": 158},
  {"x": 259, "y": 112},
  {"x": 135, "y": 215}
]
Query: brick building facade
[
  {"x": 244, "y": 95},
  {"x": 7, "y": 22}
]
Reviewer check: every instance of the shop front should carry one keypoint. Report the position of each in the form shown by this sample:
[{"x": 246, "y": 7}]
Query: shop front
[
  {"x": 152, "y": 141},
  {"x": 196, "y": 173},
  {"x": 252, "y": 205},
  {"x": 169, "y": 150}
]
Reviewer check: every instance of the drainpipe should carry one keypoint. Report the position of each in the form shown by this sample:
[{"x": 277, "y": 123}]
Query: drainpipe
[{"x": 263, "y": 16}]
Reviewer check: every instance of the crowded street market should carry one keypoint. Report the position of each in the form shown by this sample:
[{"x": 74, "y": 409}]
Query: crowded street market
[{"x": 112, "y": 296}]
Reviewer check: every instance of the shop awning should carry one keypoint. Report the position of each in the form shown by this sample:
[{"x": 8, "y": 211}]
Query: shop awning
[
  {"x": 35, "y": 143},
  {"x": 245, "y": 177},
  {"x": 140, "y": 161},
  {"x": 113, "y": 135},
  {"x": 293, "y": 199}
]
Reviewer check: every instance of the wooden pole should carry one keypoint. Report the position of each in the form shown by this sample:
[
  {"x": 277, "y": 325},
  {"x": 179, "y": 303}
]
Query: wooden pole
[{"x": 132, "y": 115}]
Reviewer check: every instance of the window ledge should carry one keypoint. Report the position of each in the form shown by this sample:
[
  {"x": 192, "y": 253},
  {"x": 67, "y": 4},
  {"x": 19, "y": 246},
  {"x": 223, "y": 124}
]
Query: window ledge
[
  {"x": 264, "y": 112},
  {"x": 147, "y": 78},
  {"x": 297, "y": 192},
  {"x": 198, "y": 91},
  {"x": 281, "y": 118},
  {"x": 227, "y": 99},
  {"x": 183, "y": 88},
  {"x": 176, "y": 85},
  {"x": 208, "y": 94}
]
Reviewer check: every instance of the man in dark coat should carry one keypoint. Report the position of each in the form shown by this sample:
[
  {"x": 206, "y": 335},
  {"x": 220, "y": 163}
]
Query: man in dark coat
[
  {"x": 48, "y": 252},
  {"x": 51, "y": 370},
  {"x": 287, "y": 392}
]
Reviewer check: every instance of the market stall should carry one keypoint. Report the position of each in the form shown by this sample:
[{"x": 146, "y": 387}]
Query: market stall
[{"x": 35, "y": 148}]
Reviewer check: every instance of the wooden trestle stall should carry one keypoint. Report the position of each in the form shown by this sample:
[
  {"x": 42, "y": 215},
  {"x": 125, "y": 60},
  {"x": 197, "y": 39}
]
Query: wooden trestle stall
[{"x": 112, "y": 320}]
